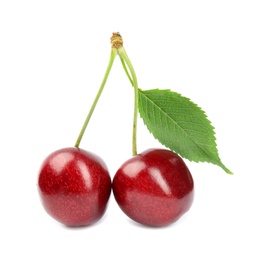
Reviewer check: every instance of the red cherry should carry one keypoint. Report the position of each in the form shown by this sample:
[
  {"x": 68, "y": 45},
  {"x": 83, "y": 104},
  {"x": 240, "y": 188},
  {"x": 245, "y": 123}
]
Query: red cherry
[
  {"x": 154, "y": 188},
  {"x": 74, "y": 186}
]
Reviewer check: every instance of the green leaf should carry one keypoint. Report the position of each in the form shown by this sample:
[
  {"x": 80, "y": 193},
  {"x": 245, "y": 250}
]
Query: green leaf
[{"x": 179, "y": 124}]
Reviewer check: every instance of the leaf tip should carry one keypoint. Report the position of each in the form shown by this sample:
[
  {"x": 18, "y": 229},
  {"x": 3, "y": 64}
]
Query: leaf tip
[{"x": 226, "y": 169}]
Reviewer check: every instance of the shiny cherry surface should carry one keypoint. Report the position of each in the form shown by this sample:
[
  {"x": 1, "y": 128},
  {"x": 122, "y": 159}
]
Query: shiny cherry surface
[
  {"x": 154, "y": 188},
  {"x": 74, "y": 186}
]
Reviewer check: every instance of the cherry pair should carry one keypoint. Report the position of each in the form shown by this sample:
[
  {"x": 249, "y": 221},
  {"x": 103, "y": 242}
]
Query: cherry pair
[{"x": 154, "y": 188}]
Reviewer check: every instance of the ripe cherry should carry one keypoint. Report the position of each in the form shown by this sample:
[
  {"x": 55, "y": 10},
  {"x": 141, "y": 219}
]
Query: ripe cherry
[
  {"x": 154, "y": 188},
  {"x": 74, "y": 186}
]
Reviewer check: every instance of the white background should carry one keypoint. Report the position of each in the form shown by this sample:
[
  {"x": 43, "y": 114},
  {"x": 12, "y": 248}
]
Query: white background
[{"x": 53, "y": 55}]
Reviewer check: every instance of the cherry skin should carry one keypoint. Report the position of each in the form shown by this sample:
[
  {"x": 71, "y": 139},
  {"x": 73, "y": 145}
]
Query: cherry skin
[
  {"x": 74, "y": 186},
  {"x": 154, "y": 188}
]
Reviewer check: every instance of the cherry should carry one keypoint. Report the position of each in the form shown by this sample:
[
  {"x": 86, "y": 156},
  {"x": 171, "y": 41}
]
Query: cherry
[
  {"x": 74, "y": 186},
  {"x": 154, "y": 188}
]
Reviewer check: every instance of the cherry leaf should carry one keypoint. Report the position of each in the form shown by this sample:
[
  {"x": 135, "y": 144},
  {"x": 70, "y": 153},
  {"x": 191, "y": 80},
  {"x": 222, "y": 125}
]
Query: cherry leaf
[{"x": 179, "y": 124}]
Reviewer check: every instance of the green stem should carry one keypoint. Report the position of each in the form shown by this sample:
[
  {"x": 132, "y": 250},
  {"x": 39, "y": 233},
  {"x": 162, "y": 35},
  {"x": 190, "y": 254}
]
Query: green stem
[
  {"x": 114, "y": 52},
  {"x": 133, "y": 80},
  {"x": 125, "y": 69}
]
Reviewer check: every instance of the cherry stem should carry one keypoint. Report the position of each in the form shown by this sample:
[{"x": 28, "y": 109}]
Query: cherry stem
[
  {"x": 134, "y": 82},
  {"x": 114, "y": 52},
  {"x": 125, "y": 69}
]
